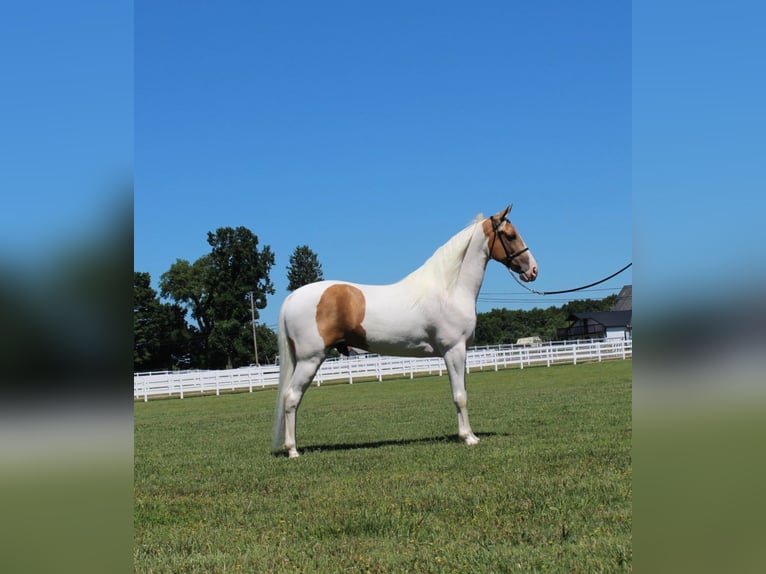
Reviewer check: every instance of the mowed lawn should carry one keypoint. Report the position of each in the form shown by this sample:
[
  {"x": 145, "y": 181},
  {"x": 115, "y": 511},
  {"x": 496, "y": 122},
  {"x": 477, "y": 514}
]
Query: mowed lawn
[{"x": 383, "y": 485}]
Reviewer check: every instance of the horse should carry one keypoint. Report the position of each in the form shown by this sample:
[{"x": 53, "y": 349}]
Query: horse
[{"x": 430, "y": 312}]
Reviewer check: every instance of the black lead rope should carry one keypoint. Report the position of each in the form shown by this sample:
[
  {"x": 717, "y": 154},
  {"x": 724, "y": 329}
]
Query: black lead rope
[{"x": 569, "y": 290}]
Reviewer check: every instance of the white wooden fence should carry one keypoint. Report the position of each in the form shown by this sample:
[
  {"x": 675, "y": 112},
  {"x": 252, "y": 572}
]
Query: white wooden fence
[{"x": 181, "y": 383}]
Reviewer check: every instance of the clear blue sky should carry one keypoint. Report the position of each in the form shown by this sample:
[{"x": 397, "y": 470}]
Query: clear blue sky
[{"x": 373, "y": 131}]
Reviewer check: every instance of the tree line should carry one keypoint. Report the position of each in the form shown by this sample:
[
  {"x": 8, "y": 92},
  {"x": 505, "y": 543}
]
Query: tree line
[
  {"x": 203, "y": 315},
  {"x": 506, "y": 326}
]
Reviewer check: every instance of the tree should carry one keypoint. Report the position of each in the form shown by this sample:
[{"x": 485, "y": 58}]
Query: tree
[
  {"x": 506, "y": 326},
  {"x": 161, "y": 336},
  {"x": 146, "y": 337},
  {"x": 215, "y": 290},
  {"x": 304, "y": 268},
  {"x": 268, "y": 348}
]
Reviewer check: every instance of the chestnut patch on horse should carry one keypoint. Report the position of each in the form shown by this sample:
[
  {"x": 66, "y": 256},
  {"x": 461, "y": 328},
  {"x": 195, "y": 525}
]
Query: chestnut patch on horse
[
  {"x": 496, "y": 251},
  {"x": 340, "y": 313}
]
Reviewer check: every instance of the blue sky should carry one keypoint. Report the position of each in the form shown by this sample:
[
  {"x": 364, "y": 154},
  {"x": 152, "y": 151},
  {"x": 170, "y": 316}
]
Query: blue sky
[{"x": 373, "y": 131}]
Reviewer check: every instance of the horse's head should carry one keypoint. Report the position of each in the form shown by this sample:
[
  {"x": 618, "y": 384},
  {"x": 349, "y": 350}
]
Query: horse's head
[{"x": 506, "y": 246}]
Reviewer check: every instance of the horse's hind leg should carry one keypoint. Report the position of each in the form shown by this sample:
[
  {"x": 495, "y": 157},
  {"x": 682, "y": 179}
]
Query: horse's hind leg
[
  {"x": 301, "y": 380},
  {"x": 455, "y": 361}
]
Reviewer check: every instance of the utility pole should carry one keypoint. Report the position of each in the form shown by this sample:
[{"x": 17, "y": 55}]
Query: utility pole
[{"x": 252, "y": 315}]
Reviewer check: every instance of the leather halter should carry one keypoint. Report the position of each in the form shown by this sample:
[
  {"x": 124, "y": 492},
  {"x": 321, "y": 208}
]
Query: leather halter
[{"x": 508, "y": 257}]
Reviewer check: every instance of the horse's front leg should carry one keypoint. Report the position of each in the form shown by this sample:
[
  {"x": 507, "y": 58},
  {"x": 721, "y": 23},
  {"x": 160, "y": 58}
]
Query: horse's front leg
[{"x": 455, "y": 361}]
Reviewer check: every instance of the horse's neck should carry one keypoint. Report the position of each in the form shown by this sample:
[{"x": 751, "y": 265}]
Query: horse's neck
[
  {"x": 458, "y": 265},
  {"x": 474, "y": 264}
]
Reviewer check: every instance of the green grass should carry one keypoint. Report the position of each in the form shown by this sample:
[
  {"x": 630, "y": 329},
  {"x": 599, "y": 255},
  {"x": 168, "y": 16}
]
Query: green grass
[{"x": 383, "y": 485}]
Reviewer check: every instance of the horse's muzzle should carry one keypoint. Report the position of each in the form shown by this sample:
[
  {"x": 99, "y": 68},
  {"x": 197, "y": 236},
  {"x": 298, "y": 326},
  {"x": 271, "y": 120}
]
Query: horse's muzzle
[{"x": 530, "y": 274}]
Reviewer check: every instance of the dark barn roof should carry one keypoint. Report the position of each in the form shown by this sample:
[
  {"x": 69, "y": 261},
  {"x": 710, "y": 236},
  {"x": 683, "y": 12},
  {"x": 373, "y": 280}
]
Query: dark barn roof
[
  {"x": 605, "y": 318},
  {"x": 624, "y": 299},
  {"x": 595, "y": 324}
]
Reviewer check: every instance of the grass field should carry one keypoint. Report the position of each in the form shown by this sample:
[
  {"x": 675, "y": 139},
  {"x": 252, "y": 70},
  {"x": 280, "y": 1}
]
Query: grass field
[{"x": 384, "y": 486}]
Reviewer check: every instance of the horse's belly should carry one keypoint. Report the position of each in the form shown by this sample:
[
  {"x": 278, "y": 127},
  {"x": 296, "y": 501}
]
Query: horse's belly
[{"x": 403, "y": 348}]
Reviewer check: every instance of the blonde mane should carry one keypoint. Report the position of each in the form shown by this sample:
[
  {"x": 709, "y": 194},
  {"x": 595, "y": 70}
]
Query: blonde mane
[{"x": 442, "y": 269}]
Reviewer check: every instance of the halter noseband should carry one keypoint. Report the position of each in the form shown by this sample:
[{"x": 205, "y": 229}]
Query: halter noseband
[{"x": 508, "y": 257}]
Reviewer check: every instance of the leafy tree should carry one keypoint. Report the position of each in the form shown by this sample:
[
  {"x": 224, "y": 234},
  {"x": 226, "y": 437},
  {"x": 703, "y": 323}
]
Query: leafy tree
[
  {"x": 488, "y": 328},
  {"x": 304, "y": 268},
  {"x": 215, "y": 290},
  {"x": 506, "y": 326},
  {"x": 589, "y": 305},
  {"x": 161, "y": 336},
  {"x": 268, "y": 349},
  {"x": 146, "y": 336}
]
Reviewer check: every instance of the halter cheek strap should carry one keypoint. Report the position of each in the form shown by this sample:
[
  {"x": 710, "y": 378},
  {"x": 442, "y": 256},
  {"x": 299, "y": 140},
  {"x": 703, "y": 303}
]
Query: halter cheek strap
[{"x": 508, "y": 257}]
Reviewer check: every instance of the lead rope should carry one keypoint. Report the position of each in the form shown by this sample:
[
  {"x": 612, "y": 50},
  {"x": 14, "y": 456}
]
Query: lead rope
[{"x": 568, "y": 290}]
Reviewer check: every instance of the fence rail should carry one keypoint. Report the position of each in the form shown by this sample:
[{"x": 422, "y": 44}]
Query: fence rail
[{"x": 181, "y": 383}]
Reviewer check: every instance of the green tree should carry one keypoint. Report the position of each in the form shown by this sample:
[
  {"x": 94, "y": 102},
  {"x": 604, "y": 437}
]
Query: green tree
[
  {"x": 488, "y": 328},
  {"x": 268, "y": 348},
  {"x": 215, "y": 290},
  {"x": 589, "y": 305},
  {"x": 161, "y": 336},
  {"x": 506, "y": 326},
  {"x": 146, "y": 336},
  {"x": 304, "y": 268}
]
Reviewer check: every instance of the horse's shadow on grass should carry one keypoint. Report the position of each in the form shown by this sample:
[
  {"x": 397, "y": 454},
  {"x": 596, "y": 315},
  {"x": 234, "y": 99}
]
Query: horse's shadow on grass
[{"x": 312, "y": 448}]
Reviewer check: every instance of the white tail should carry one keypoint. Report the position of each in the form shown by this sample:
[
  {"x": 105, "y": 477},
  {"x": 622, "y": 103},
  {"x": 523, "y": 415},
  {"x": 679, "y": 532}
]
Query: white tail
[{"x": 286, "y": 369}]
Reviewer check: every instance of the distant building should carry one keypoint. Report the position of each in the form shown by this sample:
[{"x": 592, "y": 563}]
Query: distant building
[
  {"x": 616, "y": 323},
  {"x": 624, "y": 299}
]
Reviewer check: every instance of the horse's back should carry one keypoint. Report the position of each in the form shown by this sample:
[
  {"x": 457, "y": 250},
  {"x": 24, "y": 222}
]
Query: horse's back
[{"x": 307, "y": 298}]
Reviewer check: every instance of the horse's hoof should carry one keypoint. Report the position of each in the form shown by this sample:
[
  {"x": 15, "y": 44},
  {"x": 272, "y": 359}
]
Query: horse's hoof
[
  {"x": 292, "y": 453},
  {"x": 471, "y": 439}
]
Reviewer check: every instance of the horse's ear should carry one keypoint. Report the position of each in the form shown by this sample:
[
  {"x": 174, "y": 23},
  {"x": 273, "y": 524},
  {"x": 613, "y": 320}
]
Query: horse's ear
[{"x": 500, "y": 215}]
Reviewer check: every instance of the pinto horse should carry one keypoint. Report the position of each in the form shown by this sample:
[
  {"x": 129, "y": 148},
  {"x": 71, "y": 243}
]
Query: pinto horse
[{"x": 431, "y": 312}]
